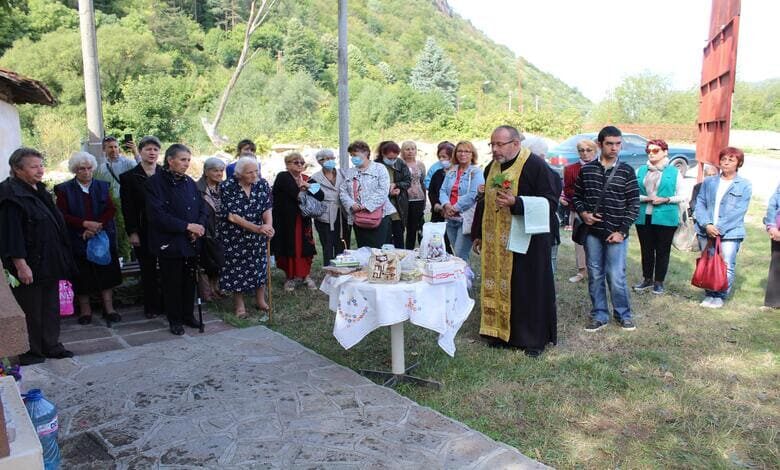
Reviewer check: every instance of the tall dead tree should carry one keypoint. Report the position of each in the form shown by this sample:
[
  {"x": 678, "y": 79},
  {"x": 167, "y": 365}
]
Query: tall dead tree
[{"x": 258, "y": 12}]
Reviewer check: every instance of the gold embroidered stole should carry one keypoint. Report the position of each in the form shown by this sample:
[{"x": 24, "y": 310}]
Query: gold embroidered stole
[{"x": 497, "y": 261}]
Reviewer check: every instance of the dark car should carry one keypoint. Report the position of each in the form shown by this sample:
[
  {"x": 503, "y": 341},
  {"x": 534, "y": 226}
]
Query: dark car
[{"x": 631, "y": 152}]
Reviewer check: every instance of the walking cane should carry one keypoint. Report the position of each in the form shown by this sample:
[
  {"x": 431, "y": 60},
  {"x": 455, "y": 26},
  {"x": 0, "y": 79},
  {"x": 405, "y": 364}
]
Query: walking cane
[
  {"x": 268, "y": 278},
  {"x": 198, "y": 300}
]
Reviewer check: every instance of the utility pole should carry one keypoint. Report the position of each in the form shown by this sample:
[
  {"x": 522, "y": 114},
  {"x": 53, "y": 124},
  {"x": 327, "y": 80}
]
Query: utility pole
[
  {"x": 92, "y": 96},
  {"x": 343, "y": 87}
]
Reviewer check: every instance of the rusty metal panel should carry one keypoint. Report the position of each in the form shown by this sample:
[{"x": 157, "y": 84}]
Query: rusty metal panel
[{"x": 718, "y": 76}]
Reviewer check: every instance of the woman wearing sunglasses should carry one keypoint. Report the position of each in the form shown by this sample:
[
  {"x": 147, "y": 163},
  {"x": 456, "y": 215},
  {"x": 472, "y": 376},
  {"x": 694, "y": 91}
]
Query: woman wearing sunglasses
[
  {"x": 660, "y": 186},
  {"x": 293, "y": 242}
]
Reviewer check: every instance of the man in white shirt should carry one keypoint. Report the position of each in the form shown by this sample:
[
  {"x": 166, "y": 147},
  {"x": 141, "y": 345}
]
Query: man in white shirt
[{"x": 114, "y": 164}]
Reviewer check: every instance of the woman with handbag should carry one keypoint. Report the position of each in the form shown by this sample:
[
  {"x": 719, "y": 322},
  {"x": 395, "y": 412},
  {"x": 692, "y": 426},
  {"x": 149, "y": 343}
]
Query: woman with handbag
[
  {"x": 364, "y": 195},
  {"x": 458, "y": 196},
  {"x": 245, "y": 226},
  {"x": 86, "y": 206},
  {"x": 293, "y": 244},
  {"x": 720, "y": 211},
  {"x": 332, "y": 224},
  {"x": 660, "y": 196}
]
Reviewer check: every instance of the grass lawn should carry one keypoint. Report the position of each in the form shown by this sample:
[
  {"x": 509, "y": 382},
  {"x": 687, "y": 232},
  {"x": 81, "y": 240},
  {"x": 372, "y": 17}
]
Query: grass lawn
[{"x": 691, "y": 387}]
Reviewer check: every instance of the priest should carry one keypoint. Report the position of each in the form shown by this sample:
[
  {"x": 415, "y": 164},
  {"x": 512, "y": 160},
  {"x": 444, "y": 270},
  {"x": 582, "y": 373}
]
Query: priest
[{"x": 518, "y": 290}]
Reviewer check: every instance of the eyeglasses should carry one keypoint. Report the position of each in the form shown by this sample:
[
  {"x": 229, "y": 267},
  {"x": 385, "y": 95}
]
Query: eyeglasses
[
  {"x": 654, "y": 150},
  {"x": 584, "y": 150},
  {"x": 298, "y": 162},
  {"x": 500, "y": 144},
  {"x": 466, "y": 152}
]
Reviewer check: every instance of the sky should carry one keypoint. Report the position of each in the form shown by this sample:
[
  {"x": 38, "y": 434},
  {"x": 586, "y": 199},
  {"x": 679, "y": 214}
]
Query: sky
[{"x": 666, "y": 37}]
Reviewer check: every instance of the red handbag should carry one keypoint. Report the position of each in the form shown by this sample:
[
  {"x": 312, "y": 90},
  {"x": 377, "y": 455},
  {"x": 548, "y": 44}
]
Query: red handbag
[
  {"x": 365, "y": 218},
  {"x": 710, "y": 270}
]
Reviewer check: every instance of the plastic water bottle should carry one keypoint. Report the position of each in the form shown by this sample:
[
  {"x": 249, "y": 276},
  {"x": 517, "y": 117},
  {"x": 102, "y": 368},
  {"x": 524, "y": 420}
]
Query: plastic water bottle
[{"x": 43, "y": 414}]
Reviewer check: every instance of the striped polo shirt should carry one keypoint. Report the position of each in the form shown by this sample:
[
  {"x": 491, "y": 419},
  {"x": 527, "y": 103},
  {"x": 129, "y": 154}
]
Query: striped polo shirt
[{"x": 620, "y": 205}]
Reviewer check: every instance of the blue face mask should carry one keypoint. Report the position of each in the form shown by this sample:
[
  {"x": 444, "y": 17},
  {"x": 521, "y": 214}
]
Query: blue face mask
[
  {"x": 357, "y": 161},
  {"x": 445, "y": 164},
  {"x": 314, "y": 188},
  {"x": 329, "y": 164},
  {"x": 389, "y": 161}
]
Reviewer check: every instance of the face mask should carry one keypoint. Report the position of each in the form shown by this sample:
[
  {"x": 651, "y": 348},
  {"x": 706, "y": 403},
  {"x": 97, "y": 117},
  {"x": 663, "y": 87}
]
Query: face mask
[
  {"x": 314, "y": 188},
  {"x": 329, "y": 164},
  {"x": 357, "y": 161},
  {"x": 389, "y": 161},
  {"x": 445, "y": 164}
]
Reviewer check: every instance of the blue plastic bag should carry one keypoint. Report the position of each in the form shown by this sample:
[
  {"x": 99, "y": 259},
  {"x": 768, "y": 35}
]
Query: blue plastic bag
[{"x": 98, "y": 250}]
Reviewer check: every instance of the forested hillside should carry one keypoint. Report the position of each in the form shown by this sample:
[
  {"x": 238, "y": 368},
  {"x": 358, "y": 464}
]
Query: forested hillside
[{"x": 164, "y": 64}]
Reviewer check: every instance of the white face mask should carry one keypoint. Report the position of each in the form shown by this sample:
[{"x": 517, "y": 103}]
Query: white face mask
[{"x": 445, "y": 164}]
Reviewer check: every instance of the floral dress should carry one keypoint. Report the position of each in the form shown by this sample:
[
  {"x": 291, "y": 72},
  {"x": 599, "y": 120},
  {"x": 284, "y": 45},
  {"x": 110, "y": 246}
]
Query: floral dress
[{"x": 246, "y": 261}]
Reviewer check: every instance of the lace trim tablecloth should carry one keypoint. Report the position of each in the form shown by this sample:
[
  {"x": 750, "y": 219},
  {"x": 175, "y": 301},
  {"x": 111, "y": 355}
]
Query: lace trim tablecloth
[{"x": 362, "y": 307}]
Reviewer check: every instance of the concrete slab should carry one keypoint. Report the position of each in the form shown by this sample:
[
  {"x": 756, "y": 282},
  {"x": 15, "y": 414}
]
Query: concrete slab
[
  {"x": 81, "y": 348},
  {"x": 247, "y": 398}
]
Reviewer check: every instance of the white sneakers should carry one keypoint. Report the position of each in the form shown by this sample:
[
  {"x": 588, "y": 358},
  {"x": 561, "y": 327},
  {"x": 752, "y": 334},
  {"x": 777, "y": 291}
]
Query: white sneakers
[{"x": 711, "y": 302}]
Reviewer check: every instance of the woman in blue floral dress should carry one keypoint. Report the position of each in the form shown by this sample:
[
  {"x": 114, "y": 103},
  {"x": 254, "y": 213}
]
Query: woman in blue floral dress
[{"x": 245, "y": 226}]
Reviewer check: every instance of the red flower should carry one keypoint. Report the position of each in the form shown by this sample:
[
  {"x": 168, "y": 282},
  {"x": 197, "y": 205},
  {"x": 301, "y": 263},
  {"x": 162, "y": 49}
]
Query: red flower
[{"x": 506, "y": 184}]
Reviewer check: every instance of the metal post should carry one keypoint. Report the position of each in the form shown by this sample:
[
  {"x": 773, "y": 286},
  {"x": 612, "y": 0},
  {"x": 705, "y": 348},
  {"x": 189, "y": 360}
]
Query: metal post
[
  {"x": 92, "y": 97},
  {"x": 343, "y": 87}
]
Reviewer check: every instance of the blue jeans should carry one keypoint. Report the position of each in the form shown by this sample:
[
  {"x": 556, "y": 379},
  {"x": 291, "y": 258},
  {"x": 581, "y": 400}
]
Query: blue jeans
[
  {"x": 728, "y": 249},
  {"x": 460, "y": 242},
  {"x": 607, "y": 260}
]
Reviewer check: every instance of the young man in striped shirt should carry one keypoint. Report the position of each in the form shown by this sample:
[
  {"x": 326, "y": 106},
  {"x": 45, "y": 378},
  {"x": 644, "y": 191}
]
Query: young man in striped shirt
[{"x": 607, "y": 242}]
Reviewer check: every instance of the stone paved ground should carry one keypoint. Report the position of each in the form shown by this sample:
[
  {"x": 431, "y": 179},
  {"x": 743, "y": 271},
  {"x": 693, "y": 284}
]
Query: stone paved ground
[{"x": 242, "y": 398}]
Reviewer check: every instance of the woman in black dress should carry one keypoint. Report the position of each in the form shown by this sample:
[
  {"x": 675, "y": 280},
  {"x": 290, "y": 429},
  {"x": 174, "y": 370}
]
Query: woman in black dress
[
  {"x": 87, "y": 207},
  {"x": 245, "y": 226}
]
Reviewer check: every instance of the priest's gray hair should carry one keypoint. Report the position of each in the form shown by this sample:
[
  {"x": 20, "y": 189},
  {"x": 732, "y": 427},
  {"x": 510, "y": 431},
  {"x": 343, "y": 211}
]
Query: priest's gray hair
[
  {"x": 513, "y": 132},
  {"x": 244, "y": 162},
  {"x": 79, "y": 158},
  {"x": 536, "y": 145}
]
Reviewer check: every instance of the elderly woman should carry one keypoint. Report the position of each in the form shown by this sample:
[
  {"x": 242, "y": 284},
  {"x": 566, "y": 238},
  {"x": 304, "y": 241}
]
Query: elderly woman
[
  {"x": 209, "y": 187},
  {"x": 293, "y": 247},
  {"x": 177, "y": 219},
  {"x": 34, "y": 248},
  {"x": 365, "y": 192},
  {"x": 86, "y": 206},
  {"x": 720, "y": 213},
  {"x": 660, "y": 194},
  {"x": 587, "y": 151},
  {"x": 458, "y": 195},
  {"x": 400, "y": 181},
  {"x": 416, "y": 192},
  {"x": 332, "y": 225},
  {"x": 772, "y": 223},
  {"x": 245, "y": 228},
  {"x": 133, "y": 198}
]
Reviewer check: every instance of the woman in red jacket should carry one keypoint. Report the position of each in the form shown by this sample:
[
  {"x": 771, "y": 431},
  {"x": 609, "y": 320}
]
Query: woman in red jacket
[{"x": 587, "y": 150}]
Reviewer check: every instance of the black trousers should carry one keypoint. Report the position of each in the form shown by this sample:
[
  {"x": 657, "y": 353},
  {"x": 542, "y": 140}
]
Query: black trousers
[
  {"x": 395, "y": 235},
  {"x": 40, "y": 302},
  {"x": 655, "y": 243},
  {"x": 330, "y": 239},
  {"x": 149, "y": 280},
  {"x": 414, "y": 222},
  {"x": 373, "y": 237},
  {"x": 772, "y": 297},
  {"x": 178, "y": 286}
]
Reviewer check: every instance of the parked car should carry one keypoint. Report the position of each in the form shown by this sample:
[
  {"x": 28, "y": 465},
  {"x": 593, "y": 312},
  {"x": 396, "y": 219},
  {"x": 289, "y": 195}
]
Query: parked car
[{"x": 632, "y": 152}]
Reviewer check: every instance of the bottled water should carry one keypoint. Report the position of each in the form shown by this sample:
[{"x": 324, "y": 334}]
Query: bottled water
[{"x": 43, "y": 414}]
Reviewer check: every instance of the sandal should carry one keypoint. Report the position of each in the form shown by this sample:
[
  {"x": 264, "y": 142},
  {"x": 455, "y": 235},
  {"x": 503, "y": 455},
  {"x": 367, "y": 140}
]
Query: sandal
[{"x": 85, "y": 319}]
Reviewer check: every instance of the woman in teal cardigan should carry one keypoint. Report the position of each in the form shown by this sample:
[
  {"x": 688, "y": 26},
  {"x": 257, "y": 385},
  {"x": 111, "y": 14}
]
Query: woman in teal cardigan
[{"x": 660, "y": 186}]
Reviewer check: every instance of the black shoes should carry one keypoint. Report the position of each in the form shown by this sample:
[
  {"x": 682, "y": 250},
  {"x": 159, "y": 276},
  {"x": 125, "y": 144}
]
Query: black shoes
[
  {"x": 85, "y": 319},
  {"x": 658, "y": 288},
  {"x": 61, "y": 354},
  {"x": 628, "y": 324},
  {"x": 112, "y": 317},
  {"x": 595, "y": 325},
  {"x": 28, "y": 359},
  {"x": 533, "y": 353},
  {"x": 644, "y": 285},
  {"x": 177, "y": 330},
  {"x": 192, "y": 323}
]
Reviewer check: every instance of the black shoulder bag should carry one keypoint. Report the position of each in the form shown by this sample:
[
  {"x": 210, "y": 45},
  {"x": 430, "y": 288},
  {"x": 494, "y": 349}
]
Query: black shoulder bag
[{"x": 579, "y": 232}]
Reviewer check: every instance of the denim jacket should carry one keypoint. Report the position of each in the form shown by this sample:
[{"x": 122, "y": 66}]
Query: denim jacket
[
  {"x": 733, "y": 207},
  {"x": 773, "y": 210},
  {"x": 467, "y": 189}
]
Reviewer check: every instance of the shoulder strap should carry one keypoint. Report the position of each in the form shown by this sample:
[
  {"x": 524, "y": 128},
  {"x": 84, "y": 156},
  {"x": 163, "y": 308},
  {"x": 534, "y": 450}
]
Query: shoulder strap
[
  {"x": 111, "y": 170},
  {"x": 604, "y": 189}
]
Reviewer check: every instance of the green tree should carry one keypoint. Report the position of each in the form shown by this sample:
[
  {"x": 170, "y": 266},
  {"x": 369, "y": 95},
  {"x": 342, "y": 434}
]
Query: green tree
[
  {"x": 153, "y": 105},
  {"x": 642, "y": 97},
  {"x": 434, "y": 71}
]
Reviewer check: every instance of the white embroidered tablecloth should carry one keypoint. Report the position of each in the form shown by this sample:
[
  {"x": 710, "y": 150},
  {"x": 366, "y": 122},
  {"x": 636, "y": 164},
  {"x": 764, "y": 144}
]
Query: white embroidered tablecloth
[{"x": 362, "y": 307}]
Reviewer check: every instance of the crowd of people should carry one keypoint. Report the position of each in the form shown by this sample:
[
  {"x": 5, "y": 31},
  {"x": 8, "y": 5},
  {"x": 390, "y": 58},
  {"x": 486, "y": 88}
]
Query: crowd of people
[{"x": 220, "y": 231}]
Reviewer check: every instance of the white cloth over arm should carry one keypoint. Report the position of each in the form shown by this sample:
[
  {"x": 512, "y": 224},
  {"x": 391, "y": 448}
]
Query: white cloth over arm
[{"x": 535, "y": 219}]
